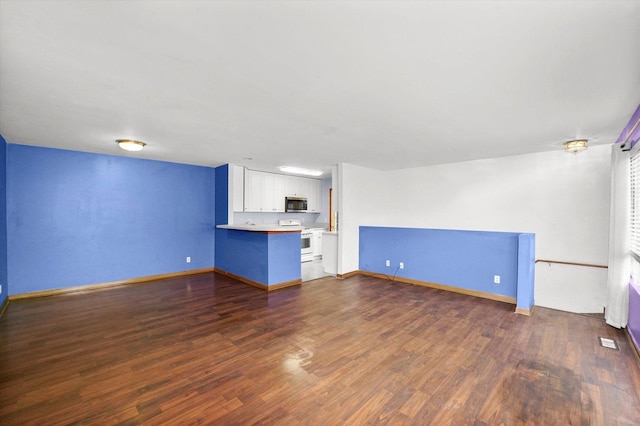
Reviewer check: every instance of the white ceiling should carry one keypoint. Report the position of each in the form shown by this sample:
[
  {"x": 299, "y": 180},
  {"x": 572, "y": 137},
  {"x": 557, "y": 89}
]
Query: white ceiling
[{"x": 382, "y": 84}]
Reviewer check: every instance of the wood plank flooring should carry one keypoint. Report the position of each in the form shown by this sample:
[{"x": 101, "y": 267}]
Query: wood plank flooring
[{"x": 207, "y": 349}]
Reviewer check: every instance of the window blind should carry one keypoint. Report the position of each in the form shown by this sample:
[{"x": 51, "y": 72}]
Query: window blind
[{"x": 635, "y": 200}]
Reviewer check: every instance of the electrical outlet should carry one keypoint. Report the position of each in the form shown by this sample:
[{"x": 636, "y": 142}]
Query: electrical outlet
[
  {"x": 0, "y": 288},
  {"x": 188, "y": 259},
  {"x": 401, "y": 265},
  {"x": 388, "y": 262},
  {"x": 496, "y": 279}
]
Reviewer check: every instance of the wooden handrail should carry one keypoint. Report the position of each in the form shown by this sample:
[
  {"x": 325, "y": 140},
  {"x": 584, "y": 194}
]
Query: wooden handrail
[{"x": 592, "y": 265}]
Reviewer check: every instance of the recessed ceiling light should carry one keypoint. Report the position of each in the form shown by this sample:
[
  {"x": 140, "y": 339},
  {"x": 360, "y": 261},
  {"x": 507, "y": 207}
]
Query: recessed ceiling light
[
  {"x": 300, "y": 171},
  {"x": 130, "y": 145},
  {"x": 575, "y": 145}
]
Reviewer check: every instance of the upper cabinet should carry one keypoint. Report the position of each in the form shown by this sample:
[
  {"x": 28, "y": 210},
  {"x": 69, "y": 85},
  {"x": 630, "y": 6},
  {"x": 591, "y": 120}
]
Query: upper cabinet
[
  {"x": 253, "y": 191},
  {"x": 273, "y": 192},
  {"x": 304, "y": 187},
  {"x": 265, "y": 192},
  {"x": 294, "y": 186},
  {"x": 313, "y": 199},
  {"x": 238, "y": 189}
]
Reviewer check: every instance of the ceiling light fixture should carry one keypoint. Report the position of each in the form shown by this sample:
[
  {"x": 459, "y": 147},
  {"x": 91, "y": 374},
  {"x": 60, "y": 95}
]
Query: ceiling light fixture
[
  {"x": 575, "y": 145},
  {"x": 130, "y": 145},
  {"x": 300, "y": 171}
]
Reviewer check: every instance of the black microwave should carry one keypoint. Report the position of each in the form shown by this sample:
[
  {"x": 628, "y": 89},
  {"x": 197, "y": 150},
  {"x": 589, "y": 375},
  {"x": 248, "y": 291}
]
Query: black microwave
[{"x": 295, "y": 204}]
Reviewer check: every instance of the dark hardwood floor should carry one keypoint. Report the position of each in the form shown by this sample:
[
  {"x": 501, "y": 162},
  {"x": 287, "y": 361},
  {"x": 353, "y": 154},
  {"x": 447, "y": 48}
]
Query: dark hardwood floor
[{"x": 207, "y": 349}]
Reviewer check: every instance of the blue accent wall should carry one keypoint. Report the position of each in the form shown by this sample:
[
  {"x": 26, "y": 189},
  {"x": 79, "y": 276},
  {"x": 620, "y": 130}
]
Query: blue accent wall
[
  {"x": 464, "y": 259},
  {"x": 3, "y": 221},
  {"x": 76, "y": 218},
  {"x": 222, "y": 195},
  {"x": 267, "y": 259}
]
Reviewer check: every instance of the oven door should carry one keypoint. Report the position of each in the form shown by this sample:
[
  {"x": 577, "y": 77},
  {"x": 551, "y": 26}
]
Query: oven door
[{"x": 306, "y": 250}]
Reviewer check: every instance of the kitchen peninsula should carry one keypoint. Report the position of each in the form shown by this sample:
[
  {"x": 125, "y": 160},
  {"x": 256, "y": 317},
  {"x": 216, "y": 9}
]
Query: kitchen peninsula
[{"x": 264, "y": 256}]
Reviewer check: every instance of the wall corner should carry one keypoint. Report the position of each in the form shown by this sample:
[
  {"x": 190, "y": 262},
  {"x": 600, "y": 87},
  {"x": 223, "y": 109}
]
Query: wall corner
[{"x": 526, "y": 273}]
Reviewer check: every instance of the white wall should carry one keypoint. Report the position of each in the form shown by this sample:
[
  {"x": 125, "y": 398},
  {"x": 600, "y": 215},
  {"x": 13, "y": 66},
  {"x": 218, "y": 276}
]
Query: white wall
[
  {"x": 562, "y": 198},
  {"x": 360, "y": 198},
  {"x": 324, "y": 201}
]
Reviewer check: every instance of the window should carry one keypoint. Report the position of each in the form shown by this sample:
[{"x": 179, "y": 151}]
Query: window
[{"x": 635, "y": 200}]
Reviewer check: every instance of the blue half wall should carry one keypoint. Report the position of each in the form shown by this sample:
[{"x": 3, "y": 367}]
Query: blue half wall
[
  {"x": 464, "y": 259},
  {"x": 76, "y": 218},
  {"x": 4, "y": 282},
  {"x": 264, "y": 258}
]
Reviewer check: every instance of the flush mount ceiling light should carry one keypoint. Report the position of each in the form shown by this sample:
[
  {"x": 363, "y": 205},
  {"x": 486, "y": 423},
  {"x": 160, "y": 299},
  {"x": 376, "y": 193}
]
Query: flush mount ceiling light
[
  {"x": 575, "y": 145},
  {"x": 130, "y": 145},
  {"x": 300, "y": 171}
]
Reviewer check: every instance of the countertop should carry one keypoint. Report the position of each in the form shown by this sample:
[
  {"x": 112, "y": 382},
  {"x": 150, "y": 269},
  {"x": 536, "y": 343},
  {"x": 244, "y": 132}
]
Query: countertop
[
  {"x": 262, "y": 227},
  {"x": 270, "y": 227}
]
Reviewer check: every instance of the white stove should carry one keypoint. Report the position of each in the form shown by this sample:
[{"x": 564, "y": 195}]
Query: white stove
[
  {"x": 289, "y": 222},
  {"x": 306, "y": 236},
  {"x": 306, "y": 249}
]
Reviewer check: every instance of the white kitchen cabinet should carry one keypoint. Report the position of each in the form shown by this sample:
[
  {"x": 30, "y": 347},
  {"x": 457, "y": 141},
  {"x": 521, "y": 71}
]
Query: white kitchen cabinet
[
  {"x": 317, "y": 244},
  {"x": 279, "y": 186},
  {"x": 238, "y": 188},
  {"x": 265, "y": 192},
  {"x": 293, "y": 186},
  {"x": 253, "y": 191},
  {"x": 274, "y": 190},
  {"x": 330, "y": 252},
  {"x": 313, "y": 197},
  {"x": 304, "y": 187}
]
